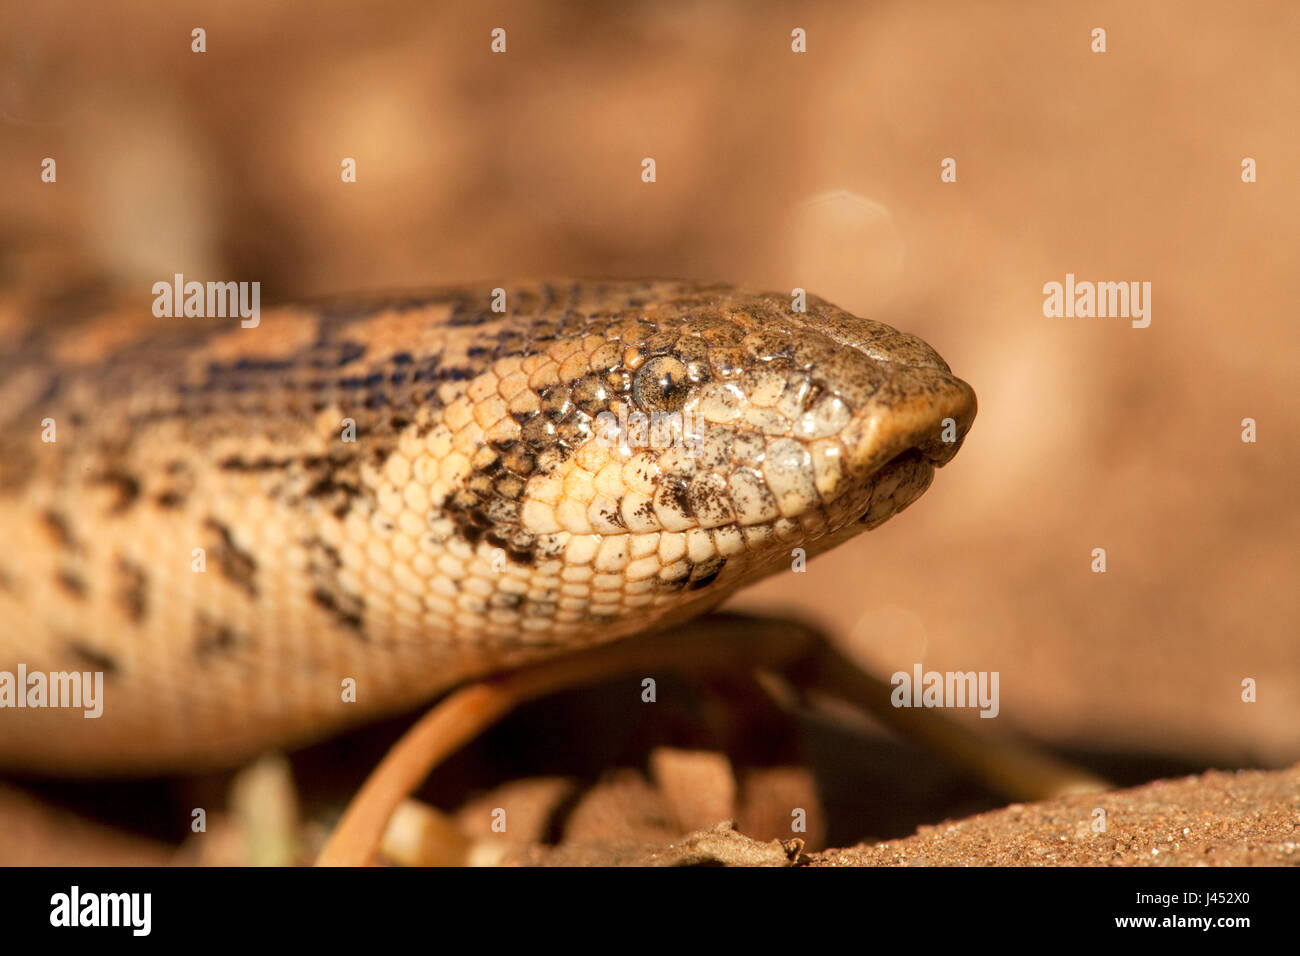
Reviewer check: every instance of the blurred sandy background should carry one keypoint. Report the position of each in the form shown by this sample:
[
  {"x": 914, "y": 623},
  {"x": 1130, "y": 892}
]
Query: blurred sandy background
[{"x": 776, "y": 169}]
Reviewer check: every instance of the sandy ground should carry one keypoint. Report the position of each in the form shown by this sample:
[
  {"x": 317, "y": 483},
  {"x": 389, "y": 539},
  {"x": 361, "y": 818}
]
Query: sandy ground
[{"x": 1237, "y": 818}]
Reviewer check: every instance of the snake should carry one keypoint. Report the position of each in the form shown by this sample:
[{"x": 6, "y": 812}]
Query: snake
[{"x": 258, "y": 536}]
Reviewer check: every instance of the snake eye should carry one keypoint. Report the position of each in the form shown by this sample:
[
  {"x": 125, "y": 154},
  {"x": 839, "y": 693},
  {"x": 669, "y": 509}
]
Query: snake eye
[{"x": 661, "y": 384}]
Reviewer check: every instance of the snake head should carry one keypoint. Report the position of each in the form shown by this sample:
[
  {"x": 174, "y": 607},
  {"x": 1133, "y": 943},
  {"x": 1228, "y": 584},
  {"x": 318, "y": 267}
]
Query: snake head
[{"x": 656, "y": 457}]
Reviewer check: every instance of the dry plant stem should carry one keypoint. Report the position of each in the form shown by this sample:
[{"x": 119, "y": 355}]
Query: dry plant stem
[
  {"x": 728, "y": 642},
  {"x": 1008, "y": 766}
]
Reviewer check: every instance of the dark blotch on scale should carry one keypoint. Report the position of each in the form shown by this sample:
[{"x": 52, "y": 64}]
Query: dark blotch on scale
[
  {"x": 72, "y": 583},
  {"x": 346, "y": 610},
  {"x": 486, "y": 507},
  {"x": 339, "y": 493},
  {"x": 127, "y": 487},
  {"x": 59, "y": 529},
  {"x": 88, "y": 656},
  {"x": 212, "y": 638},
  {"x": 134, "y": 589},
  {"x": 236, "y": 565}
]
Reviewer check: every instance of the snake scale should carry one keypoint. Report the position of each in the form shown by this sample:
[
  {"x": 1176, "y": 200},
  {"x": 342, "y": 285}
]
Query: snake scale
[{"x": 399, "y": 494}]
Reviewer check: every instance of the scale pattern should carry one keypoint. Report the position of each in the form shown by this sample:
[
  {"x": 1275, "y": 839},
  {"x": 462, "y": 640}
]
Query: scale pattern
[{"x": 409, "y": 492}]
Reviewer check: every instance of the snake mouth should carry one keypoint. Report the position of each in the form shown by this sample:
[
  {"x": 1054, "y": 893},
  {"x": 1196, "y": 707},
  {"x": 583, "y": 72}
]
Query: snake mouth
[
  {"x": 902, "y": 437},
  {"x": 902, "y": 480}
]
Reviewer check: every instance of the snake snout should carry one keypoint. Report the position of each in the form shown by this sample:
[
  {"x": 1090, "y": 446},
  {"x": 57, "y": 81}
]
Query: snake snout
[{"x": 925, "y": 410}]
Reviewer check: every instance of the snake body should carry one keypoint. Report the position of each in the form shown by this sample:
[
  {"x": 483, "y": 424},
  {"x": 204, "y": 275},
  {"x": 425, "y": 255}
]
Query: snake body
[{"x": 259, "y": 535}]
